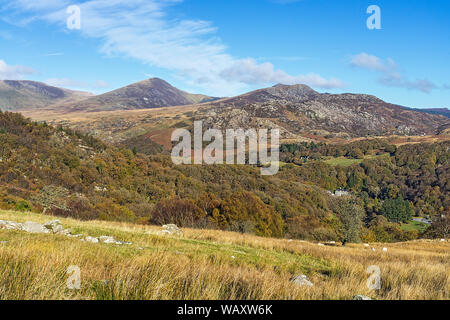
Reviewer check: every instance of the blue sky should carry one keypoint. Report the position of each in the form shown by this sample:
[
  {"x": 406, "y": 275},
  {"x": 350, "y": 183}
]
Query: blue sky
[{"x": 228, "y": 47}]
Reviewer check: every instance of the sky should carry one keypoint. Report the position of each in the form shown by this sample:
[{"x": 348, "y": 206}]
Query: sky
[{"x": 229, "y": 47}]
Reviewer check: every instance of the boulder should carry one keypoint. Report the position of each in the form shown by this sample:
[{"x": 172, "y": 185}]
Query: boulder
[
  {"x": 302, "y": 280},
  {"x": 54, "y": 226},
  {"x": 107, "y": 239},
  {"x": 34, "y": 227},
  {"x": 11, "y": 225},
  {"x": 111, "y": 240},
  {"x": 172, "y": 229},
  {"x": 361, "y": 297},
  {"x": 91, "y": 239}
]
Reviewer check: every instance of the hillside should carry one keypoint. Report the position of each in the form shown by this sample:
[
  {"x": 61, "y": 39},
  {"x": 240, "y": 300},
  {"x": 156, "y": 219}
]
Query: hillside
[
  {"x": 32, "y": 95},
  {"x": 298, "y": 110},
  {"x": 147, "y": 94},
  {"x": 209, "y": 264},
  {"x": 57, "y": 170},
  {"x": 440, "y": 111}
]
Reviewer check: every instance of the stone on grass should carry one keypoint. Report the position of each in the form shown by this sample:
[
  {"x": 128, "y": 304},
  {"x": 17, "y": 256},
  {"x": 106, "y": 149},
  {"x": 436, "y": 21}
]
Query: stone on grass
[
  {"x": 54, "y": 226},
  {"x": 107, "y": 239},
  {"x": 361, "y": 297},
  {"x": 34, "y": 227},
  {"x": 91, "y": 239},
  {"x": 302, "y": 280},
  {"x": 11, "y": 225},
  {"x": 111, "y": 240},
  {"x": 172, "y": 229}
]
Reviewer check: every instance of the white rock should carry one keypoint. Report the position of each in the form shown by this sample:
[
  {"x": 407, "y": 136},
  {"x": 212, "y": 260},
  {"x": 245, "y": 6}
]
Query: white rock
[
  {"x": 11, "y": 225},
  {"x": 54, "y": 226},
  {"x": 366, "y": 245},
  {"x": 107, "y": 239},
  {"x": 442, "y": 240},
  {"x": 91, "y": 239},
  {"x": 385, "y": 250},
  {"x": 361, "y": 297},
  {"x": 373, "y": 249},
  {"x": 33, "y": 227},
  {"x": 172, "y": 229},
  {"x": 320, "y": 244},
  {"x": 302, "y": 280}
]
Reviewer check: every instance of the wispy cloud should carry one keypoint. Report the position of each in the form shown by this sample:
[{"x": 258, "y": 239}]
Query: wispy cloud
[
  {"x": 190, "y": 49},
  {"x": 390, "y": 76},
  {"x": 53, "y": 54},
  {"x": 8, "y": 72}
]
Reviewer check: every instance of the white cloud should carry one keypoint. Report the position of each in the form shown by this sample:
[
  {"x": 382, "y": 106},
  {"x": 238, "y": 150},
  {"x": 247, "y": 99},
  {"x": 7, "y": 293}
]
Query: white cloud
[
  {"x": 249, "y": 71},
  {"x": 8, "y": 72},
  {"x": 389, "y": 75},
  {"x": 367, "y": 61},
  {"x": 141, "y": 29}
]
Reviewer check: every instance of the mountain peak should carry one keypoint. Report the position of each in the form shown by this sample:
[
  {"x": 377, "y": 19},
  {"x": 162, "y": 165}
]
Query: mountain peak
[{"x": 145, "y": 94}]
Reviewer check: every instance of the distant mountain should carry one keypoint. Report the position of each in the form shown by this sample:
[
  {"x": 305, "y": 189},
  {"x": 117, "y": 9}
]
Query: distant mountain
[
  {"x": 298, "y": 109},
  {"x": 147, "y": 94},
  {"x": 440, "y": 111},
  {"x": 19, "y": 95}
]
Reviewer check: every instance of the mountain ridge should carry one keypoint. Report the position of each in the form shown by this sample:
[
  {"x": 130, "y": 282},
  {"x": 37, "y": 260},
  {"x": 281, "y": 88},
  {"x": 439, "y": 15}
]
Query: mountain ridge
[
  {"x": 19, "y": 95},
  {"x": 299, "y": 109}
]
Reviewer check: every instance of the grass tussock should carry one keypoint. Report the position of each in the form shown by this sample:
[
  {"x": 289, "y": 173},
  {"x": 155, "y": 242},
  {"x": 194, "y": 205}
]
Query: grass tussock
[{"x": 207, "y": 264}]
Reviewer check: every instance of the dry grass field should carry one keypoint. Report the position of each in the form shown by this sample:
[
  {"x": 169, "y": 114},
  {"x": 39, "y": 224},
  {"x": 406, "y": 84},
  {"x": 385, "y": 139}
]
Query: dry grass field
[{"x": 208, "y": 264}]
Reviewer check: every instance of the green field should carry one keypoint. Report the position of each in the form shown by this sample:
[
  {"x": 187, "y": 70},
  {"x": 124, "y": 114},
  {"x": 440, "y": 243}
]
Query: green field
[
  {"x": 346, "y": 162},
  {"x": 414, "y": 225}
]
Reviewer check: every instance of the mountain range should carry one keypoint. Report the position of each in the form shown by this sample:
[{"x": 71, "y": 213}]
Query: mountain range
[{"x": 297, "y": 110}]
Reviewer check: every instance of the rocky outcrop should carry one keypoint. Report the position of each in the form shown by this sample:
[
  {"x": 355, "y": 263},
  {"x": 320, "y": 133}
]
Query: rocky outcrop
[{"x": 55, "y": 227}]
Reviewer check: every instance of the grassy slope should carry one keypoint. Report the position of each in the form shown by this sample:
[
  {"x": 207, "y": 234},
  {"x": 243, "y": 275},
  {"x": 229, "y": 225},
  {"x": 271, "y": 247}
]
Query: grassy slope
[
  {"x": 414, "y": 225},
  {"x": 209, "y": 265}
]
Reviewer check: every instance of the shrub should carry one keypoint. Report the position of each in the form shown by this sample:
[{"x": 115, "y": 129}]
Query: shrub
[{"x": 182, "y": 212}]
